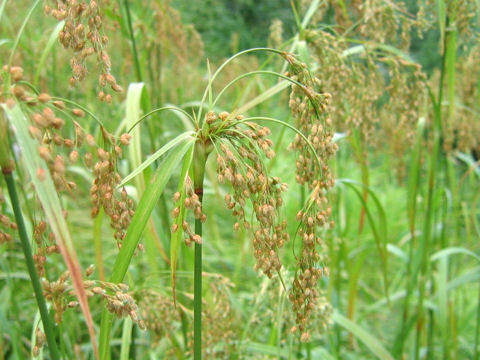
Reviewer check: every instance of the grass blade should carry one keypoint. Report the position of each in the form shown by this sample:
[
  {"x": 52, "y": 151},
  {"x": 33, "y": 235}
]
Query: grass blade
[
  {"x": 451, "y": 251},
  {"x": 51, "y": 41},
  {"x": 380, "y": 233},
  {"x": 132, "y": 109},
  {"x": 126, "y": 338},
  {"x": 364, "y": 336},
  {"x": 171, "y": 144}
]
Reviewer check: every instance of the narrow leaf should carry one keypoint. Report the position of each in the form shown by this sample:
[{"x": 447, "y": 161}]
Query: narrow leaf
[
  {"x": 451, "y": 251},
  {"x": 46, "y": 50},
  {"x": 171, "y": 144},
  {"x": 364, "y": 336}
]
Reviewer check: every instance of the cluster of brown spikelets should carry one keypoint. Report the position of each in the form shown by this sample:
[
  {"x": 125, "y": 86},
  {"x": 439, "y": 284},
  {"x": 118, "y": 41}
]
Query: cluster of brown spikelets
[
  {"x": 103, "y": 194},
  {"x": 383, "y": 109},
  {"x": 48, "y": 128},
  {"x": 62, "y": 141},
  {"x": 242, "y": 148},
  {"x": 60, "y": 294},
  {"x": 191, "y": 201},
  {"x": 240, "y": 163},
  {"x": 309, "y": 110},
  {"x": 83, "y": 34},
  {"x": 6, "y": 223}
]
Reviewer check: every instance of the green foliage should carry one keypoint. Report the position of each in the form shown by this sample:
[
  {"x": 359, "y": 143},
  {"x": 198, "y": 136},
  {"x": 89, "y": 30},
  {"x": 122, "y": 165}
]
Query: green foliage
[
  {"x": 231, "y": 26},
  {"x": 399, "y": 263}
]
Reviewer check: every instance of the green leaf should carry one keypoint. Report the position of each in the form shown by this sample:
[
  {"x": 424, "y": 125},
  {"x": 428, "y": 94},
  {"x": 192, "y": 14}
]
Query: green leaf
[
  {"x": 171, "y": 144},
  {"x": 258, "y": 348},
  {"x": 452, "y": 251},
  {"x": 126, "y": 338},
  {"x": 132, "y": 114},
  {"x": 364, "y": 336},
  {"x": 46, "y": 50},
  {"x": 380, "y": 233}
]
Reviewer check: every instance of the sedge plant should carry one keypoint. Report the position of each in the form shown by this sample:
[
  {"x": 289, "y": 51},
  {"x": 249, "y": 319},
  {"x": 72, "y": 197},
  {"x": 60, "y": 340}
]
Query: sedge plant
[{"x": 241, "y": 146}]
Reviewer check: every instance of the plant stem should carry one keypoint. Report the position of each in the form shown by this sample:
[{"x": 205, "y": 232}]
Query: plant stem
[
  {"x": 477, "y": 329},
  {"x": 134, "y": 45},
  {"x": 27, "y": 251},
  {"x": 197, "y": 297},
  {"x": 200, "y": 159}
]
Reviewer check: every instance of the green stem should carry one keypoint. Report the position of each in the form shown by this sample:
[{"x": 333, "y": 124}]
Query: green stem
[
  {"x": 197, "y": 297},
  {"x": 27, "y": 251},
  {"x": 200, "y": 159},
  {"x": 477, "y": 330},
  {"x": 132, "y": 39}
]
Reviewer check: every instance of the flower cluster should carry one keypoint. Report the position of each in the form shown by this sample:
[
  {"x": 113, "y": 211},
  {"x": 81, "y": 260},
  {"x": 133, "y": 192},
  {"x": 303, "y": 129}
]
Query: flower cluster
[
  {"x": 118, "y": 300},
  {"x": 315, "y": 147},
  {"x": 6, "y": 225},
  {"x": 118, "y": 207},
  {"x": 158, "y": 313},
  {"x": 83, "y": 34},
  {"x": 240, "y": 163},
  {"x": 364, "y": 97},
  {"x": 40, "y": 340},
  {"x": 190, "y": 202},
  {"x": 163, "y": 318},
  {"x": 45, "y": 245},
  {"x": 48, "y": 128}
]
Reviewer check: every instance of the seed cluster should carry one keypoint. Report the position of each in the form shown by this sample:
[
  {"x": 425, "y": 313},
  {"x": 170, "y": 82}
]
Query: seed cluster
[
  {"x": 315, "y": 148},
  {"x": 464, "y": 128},
  {"x": 45, "y": 245},
  {"x": 163, "y": 318},
  {"x": 118, "y": 207},
  {"x": 363, "y": 97},
  {"x": 83, "y": 34},
  {"x": 191, "y": 201},
  {"x": 48, "y": 127},
  {"x": 399, "y": 115},
  {"x": 240, "y": 163},
  {"x": 40, "y": 340},
  {"x": 171, "y": 45},
  {"x": 118, "y": 301},
  {"x": 378, "y": 20},
  {"x": 275, "y": 37},
  {"x": 6, "y": 224}
]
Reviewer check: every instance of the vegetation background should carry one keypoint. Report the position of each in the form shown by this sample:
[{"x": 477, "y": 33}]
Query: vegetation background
[{"x": 400, "y": 262}]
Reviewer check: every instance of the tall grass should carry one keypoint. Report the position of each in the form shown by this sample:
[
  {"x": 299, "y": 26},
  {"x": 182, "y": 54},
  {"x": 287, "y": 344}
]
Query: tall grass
[{"x": 399, "y": 263}]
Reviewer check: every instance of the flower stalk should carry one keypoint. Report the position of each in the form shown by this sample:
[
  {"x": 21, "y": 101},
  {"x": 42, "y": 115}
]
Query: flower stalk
[{"x": 200, "y": 158}]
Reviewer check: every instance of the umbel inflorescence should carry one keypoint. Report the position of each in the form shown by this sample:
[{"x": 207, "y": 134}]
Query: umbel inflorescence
[{"x": 241, "y": 148}]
